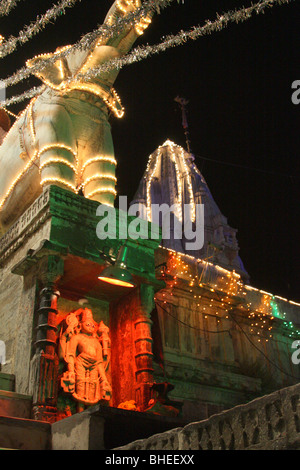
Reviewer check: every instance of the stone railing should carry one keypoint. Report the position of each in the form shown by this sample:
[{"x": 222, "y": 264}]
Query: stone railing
[{"x": 271, "y": 422}]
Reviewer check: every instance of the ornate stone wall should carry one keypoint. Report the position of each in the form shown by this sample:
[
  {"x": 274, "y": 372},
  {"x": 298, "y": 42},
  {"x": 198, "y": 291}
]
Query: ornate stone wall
[{"x": 267, "y": 423}]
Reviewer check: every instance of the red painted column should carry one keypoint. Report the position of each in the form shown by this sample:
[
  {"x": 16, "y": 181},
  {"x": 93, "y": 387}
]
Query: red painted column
[{"x": 131, "y": 347}]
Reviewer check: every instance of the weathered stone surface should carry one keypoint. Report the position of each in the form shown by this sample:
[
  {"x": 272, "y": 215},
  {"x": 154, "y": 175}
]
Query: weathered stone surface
[
  {"x": 101, "y": 427},
  {"x": 270, "y": 423},
  {"x": 15, "y": 405},
  {"x": 24, "y": 434}
]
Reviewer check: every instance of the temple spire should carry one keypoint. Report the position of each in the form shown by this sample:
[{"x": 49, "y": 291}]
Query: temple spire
[{"x": 183, "y": 105}]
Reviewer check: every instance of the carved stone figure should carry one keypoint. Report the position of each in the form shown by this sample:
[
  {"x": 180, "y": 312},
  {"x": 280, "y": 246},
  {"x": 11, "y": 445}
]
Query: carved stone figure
[
  {"x": 85, "y": 348},
  {"x": 63, "y": 137}
]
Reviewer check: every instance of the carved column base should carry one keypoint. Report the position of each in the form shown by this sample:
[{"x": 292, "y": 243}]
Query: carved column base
[
  {"x": 44, "y": 413},
  {"x": 44, "y": 370},
  {"x": 143, "y": 395}
]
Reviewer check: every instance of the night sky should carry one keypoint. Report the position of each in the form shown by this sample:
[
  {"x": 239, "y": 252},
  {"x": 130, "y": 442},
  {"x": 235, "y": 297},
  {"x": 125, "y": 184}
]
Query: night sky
[{"x": 244, "y": 128}]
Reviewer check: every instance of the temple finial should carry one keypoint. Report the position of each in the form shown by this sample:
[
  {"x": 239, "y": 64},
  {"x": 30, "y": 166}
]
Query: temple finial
[{"x": 183, "y": 104}]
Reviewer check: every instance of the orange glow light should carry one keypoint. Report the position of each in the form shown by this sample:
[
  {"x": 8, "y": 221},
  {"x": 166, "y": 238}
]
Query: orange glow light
[{"x": 116, "y": 282}]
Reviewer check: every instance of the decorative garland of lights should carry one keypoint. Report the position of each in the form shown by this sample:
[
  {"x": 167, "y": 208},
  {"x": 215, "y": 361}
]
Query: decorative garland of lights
[
  {"x": 189, "y": 185},
  {"x": 6, "y": 6},
  {"x": 9, "y": 46},
  {"x": 36, "y": 156},
  {"x": 262, "y": 318},
  {"x": 60, "y": 181},
  {"x": 149, "y": 212},
  {"x": 101, "y": 191},
  {"x": 58, "y": 146},
  {"x": 179, "y": 183},
  {"x": 61, "y": 160},
  {"x": 143, "y": 52},
  {"x": 96, "y": 177},
  {"x": 105, "y": 31}
]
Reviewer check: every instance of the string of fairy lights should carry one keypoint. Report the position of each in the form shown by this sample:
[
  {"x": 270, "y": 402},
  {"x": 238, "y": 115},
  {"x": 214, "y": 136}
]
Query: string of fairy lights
[
  {"x": 231, "y": 292},
  {"x": 10, "y": 45},
  {"x": 231, "y": 295},
  {"x": 143, "y": 52},
  {"x": 101, "y": 33}
]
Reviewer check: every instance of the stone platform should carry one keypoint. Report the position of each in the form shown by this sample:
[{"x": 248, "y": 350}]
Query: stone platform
[
  {"x": 98, "y": 428},
  {"x": 101, "y": 427}
]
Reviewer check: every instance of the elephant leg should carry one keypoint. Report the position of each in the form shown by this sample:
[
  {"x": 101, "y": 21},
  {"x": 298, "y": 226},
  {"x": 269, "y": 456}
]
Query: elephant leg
[
  {"x": 57, "y": 147},
  {"x": 99, "y": 169}
]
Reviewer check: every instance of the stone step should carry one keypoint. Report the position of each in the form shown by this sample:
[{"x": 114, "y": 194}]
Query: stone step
[
  {"x": 15, "y": 405},
  {"x": 24, "y": 434}
]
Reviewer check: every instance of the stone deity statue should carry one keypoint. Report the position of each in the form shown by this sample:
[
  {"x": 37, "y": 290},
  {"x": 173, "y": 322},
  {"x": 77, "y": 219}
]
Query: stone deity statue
[
  {"x": 85, "y": 348},
  {"x": 63, "y": 137}
]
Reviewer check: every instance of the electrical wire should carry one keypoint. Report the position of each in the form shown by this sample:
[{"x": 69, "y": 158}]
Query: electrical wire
[{"x": 260, "y": 170}]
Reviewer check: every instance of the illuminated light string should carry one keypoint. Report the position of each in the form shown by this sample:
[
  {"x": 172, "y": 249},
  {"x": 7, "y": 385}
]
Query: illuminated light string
[
  {"x": 31, "y": 162},
  {"x": 54, "y": 160},
  {"x": 148, "y": 190},
  {"x": 99, "y": 158},
  {"x": 62, "y": 181},
  {"x": 9, "y": 46},
  {"x": 222, "y": 21},
  {"x": 101, "y": 191},
  {"x": 143, "y": 52},
  {"x": 261, "y": 324},
  {"x": 98, "y": 177},
  {"x": 55, "y": 146},
  {"x": 75, "y": 168},
  {"x": 227, "y": 331},
  {"x": 105, "y": 31},
  {"x": 259, "y": 350},
  {"x": 262, "y": 317},
  {"x": 189, "y": 185},
  {"x": 31, "y": 122},
  {"x": 179, "y": 184},
  {"x": 111, "y": 98}
]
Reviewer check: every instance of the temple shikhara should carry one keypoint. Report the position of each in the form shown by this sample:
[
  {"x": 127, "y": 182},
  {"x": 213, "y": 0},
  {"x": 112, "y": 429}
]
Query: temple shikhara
[{"x": 133, "y": 335}]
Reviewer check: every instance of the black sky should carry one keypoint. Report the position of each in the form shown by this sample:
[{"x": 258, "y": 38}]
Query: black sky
[{"x": 244, "y": 127}]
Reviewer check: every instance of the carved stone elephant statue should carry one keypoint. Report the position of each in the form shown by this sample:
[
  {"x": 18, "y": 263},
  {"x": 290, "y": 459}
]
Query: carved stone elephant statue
[{"x": 63, "y": 137}]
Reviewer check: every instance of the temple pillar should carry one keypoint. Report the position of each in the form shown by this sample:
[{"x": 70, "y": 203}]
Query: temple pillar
[
  {"x": 143, "y": 347},
  {"x": 44, "y": 364},
  {"x": 131, "y": 347}
]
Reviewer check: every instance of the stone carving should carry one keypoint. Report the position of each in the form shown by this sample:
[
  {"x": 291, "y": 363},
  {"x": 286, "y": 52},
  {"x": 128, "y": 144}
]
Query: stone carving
[
  {"x": 63, "y": 137},
  {"x": 85, "y": 347}
]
